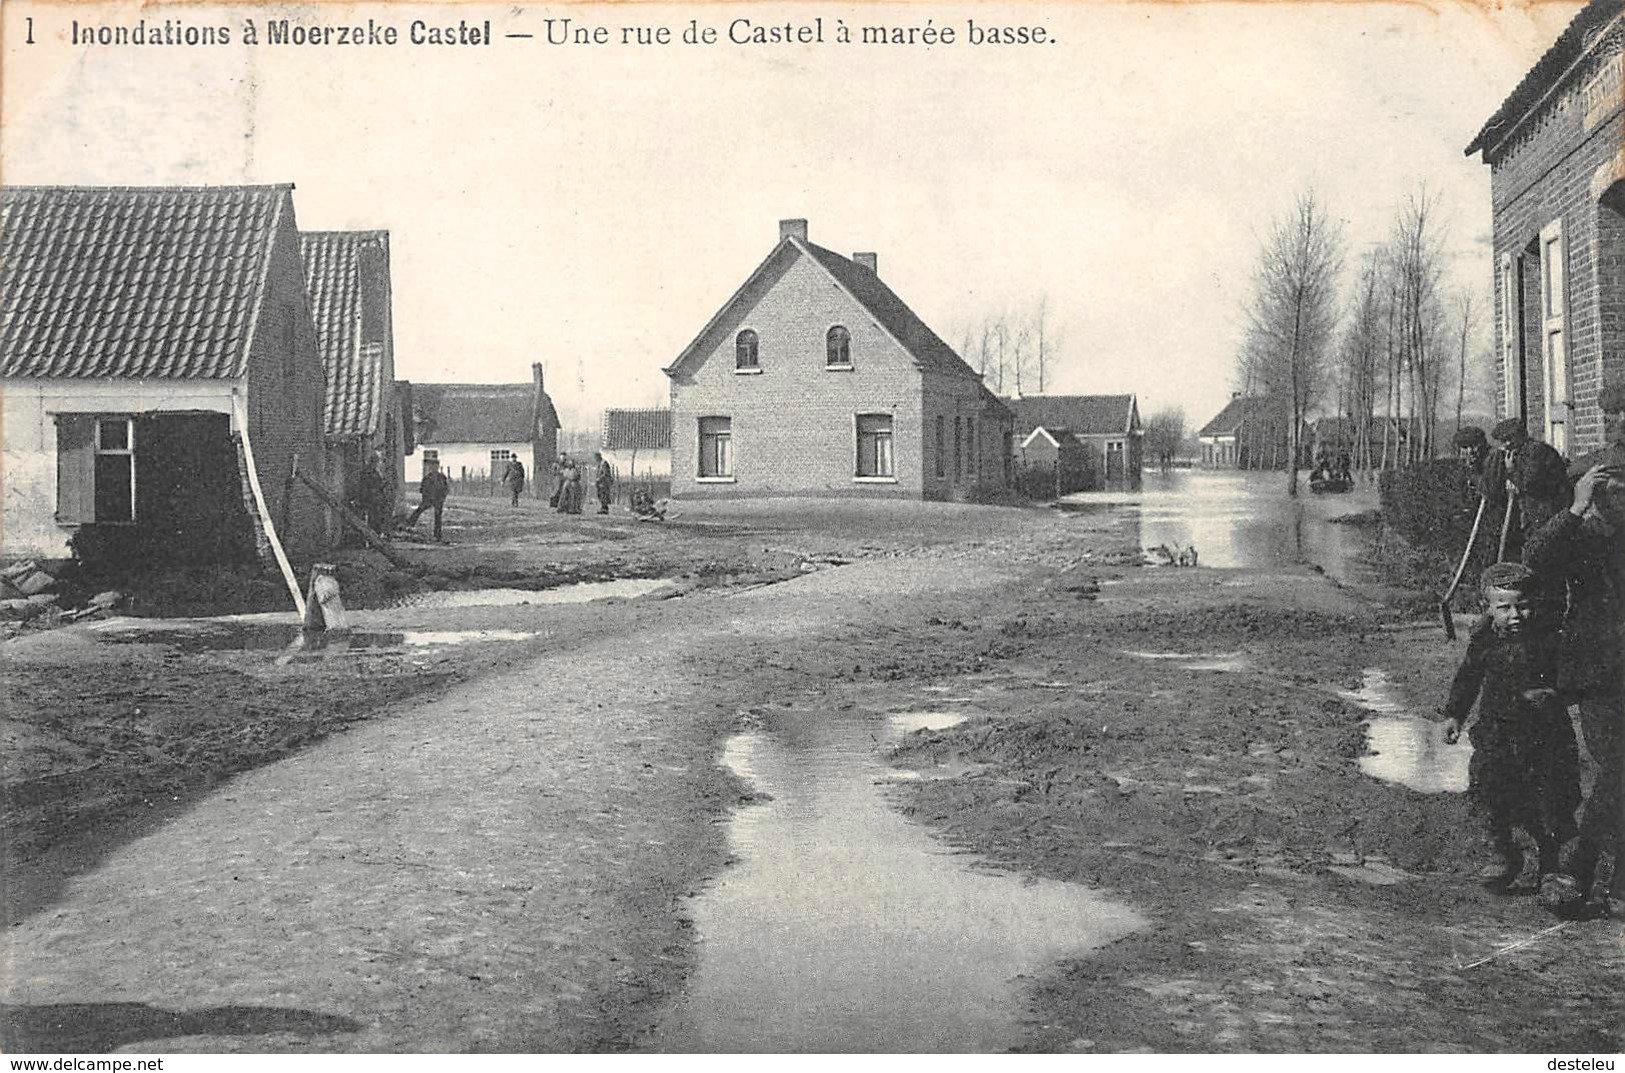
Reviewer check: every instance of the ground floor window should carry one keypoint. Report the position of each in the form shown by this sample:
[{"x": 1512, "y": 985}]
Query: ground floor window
[
  {"x": 500, "y": 457},
  {"x": 875, "y": 446},
  {"x": 95, "y": 469},
  {"x": 115, "y": 469},
  {"x": 716, "y": 447}
]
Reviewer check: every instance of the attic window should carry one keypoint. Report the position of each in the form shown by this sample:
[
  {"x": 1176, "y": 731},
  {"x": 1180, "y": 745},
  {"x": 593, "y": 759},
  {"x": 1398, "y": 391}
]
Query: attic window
[
  {"x": 838, "y": 348},
  {"x": 746, "y": 355}
]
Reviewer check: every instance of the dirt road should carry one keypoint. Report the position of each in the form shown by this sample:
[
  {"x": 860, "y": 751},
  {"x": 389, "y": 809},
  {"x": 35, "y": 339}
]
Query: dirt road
[{"x": 507, "y": 865}]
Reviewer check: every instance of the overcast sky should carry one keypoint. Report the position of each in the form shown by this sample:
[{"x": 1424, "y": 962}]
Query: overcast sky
[{"x": 590, "y": 207}]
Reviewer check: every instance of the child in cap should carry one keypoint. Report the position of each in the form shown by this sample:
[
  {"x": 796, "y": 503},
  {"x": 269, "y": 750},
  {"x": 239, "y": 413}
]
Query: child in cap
[{"x": 1525, "y": 769}]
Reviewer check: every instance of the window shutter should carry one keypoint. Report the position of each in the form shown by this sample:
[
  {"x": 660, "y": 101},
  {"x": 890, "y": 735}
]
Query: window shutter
[{"x": 75, "y": 469}]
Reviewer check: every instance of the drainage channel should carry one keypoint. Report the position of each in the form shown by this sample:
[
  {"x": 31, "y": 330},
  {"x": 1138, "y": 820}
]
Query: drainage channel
[{"x": 843, "y": 927}]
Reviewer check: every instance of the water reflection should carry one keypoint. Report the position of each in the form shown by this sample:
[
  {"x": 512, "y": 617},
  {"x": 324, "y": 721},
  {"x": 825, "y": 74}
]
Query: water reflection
[
  {"x": 845, "y": 928},
  {"x": 1404, "y": 747},
  {"x": 1237, "y": 519}
]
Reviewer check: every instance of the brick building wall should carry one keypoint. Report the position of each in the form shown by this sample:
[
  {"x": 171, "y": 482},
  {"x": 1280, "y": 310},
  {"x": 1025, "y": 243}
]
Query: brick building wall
[
  {"x": 285, "y": 391},
  {"x": 971, "y": 459},
  {"x": 1564, "y": 164},
  {"x": 793, "y": 423}
]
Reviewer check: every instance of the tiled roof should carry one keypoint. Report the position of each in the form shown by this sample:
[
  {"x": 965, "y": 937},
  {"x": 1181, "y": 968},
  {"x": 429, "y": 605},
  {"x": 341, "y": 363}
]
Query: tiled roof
[
  {"x": 474, "y": 413},
  {"x": 640, "y": 429},
  {"x": 1228, "y": 420},
  {"x": 335, "y": 262},
  {"x": 1568, "y": 47},
  {"x": 133, "y": 281},
  {"x": 892, "y": 313},
  {"x": 1082, "y": 415}
]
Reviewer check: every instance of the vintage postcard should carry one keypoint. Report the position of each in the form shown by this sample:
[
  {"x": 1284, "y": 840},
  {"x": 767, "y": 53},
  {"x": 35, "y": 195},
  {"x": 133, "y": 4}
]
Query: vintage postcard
[{"x": 696, "y": 528}]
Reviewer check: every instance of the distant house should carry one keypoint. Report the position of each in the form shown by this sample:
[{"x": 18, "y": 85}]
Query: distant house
[
  {"x": 160, "y": 373},
  {"x": 471, "y": 431},
  {"x": 1251, "y": 432},
  {"x": 1557, "y": 193},
  {"x": 347, "y": 277},
  {"x": 1107, "y": 427},
  {"x": 1053, "y": 463},
  {"x": 638, "y": 442},
  {"x": 815, "y": 378}
]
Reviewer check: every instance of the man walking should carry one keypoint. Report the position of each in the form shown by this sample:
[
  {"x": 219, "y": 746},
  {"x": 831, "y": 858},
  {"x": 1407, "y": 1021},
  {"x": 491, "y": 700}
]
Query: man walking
[
  {"x": 513, "y": 478},
  {"x": 434, "y": 488}
]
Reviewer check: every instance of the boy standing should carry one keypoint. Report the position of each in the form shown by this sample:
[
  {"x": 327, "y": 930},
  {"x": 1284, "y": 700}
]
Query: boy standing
[{"x": 1525, "y": 768}]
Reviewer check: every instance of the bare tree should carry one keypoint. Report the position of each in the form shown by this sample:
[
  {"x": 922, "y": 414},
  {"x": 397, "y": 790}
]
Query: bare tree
[
  {"x": 1015, "y": 347},
  {"x": 1293, "y": 315},
  {"x": 1416, "y": 252},
  {"x": 1165, "y": 434},
  {"x": 1358, "y": 367},
  {"x": 1464, "y": 308}
]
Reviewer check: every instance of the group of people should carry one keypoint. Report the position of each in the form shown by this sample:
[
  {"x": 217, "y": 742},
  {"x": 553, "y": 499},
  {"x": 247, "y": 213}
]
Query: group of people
[
  {"x": 567, "y": 496},
  {"x": 1552, "y": 637},
  {"x": 1330, "y": 468},
  {"x": 567, "y": 493}
]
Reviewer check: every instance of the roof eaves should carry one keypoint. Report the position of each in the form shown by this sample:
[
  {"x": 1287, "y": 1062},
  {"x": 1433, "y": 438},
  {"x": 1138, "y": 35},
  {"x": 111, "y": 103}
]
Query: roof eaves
[
  {"x": 919, "y": 362},
  {"x": 1501, "y": 126},
  {"x": 722, "y": 310}
]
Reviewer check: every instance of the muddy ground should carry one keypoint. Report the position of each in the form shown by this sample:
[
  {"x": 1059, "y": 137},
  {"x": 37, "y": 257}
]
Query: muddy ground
[{"x": 1214, "y": 798}]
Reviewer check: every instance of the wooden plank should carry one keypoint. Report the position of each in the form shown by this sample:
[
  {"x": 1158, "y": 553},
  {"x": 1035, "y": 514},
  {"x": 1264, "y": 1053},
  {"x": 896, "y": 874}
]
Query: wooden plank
[{"x": 355, "y": 523}]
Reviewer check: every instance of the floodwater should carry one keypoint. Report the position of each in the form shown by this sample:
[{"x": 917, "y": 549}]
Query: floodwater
[
  {"x": 1405, "y": 748},
  {"x": 1237, "y": 519},
  {"x": 843, "y": 927},
  {"x": 1230, "y": 662},
  {"x": 193, "y": 637},
  {"x": 579, "y": 593}
]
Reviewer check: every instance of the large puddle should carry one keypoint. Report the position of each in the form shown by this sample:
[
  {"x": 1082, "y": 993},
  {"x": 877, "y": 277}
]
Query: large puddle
[
  {"x": 1238, "y": 519},
  {"x": 842, "y": 927},
  {"x": 1404, "y": 747},
  {"x": 580, "y": 593},
  {"x": 193, "y": 637}
]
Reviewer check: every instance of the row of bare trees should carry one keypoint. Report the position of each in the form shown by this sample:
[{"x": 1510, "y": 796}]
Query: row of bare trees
[
  {"x": 1015, "y": 348},
  {"x": 1388, "y": 355}
]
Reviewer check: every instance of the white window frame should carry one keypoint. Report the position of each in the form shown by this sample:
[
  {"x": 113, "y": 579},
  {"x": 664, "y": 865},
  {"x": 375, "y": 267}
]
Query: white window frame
[
  {"x": 127, "y": 451},
  {"x": 1511, "y": 339},
  {"x": 891, "y": 451},
  {"x": 726, "y": 462},
  {"x": 1554, "y": 349}
]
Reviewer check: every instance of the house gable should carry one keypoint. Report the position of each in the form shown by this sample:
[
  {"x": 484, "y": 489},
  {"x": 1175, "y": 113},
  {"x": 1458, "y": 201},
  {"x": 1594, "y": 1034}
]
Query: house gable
[{"x": 348, "y": 278}]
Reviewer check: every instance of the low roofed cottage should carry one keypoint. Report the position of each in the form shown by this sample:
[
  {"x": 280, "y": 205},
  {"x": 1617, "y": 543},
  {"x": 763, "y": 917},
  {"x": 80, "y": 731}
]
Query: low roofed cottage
[
  {"x": 160, "y": 374},
  {"x": 815, "y": 378},
  {"x": 1556, "y": 151},
  {"x": 347, "y": 274},
  {"x": 1251, "y": 432},
  {"x": 638, "y": 442},
  {"x": 471, "y": 431},
  {"x": 1106, "y": 427}
]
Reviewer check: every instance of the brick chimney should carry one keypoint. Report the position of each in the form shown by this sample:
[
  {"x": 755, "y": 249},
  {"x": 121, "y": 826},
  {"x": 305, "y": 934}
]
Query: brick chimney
[
  {"x": 796, "y": 228},
  {"x": 868, "y": 260},
  {"x": 539, "y": 402}
]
